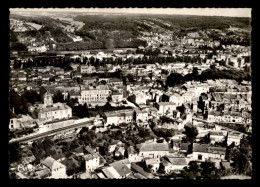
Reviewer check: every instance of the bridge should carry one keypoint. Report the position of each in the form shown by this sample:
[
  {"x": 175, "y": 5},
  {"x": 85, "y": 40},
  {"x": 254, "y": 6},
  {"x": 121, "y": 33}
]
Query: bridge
[{"x": 51, "y": 132}]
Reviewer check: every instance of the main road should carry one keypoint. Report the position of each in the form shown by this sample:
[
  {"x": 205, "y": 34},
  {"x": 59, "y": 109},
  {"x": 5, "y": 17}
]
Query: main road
[{"x": 218, "y": 124}]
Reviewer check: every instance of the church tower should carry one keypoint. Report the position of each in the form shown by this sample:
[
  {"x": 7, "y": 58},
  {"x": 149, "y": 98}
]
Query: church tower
[{"x": 47, "y": 99}]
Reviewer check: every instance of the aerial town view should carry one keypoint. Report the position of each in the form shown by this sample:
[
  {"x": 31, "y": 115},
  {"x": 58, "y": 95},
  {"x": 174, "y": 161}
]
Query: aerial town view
[{"x": 121, "y": 94}]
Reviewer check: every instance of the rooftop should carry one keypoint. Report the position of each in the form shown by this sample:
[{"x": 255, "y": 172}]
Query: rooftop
[
  {"x": 177, "y": 160},
  {"x": 203, "y": 148},
  {"x": 90, "y": 156},
  {"x": 154, "y": 147},
  {"x": 110, "y": 173}
]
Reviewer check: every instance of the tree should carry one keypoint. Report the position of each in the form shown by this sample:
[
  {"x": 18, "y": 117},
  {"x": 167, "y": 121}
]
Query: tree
[
  {"x": 47, "y": 146},
  {"x": 174, "y": 79},
  {"x": 213, "y": 67},
  {"x": 231, "y": 63},
  {"x": 193, "y": 171},
  {"x": 32, "y": 96},
  {"x": 195, "y": 71},
  {"x": 15, "y": 102},
  {"x": 81, "y": 111},
  {"x": 150, "y": 75},
  {"x": 205, "y": 139},
  {"x": 109, "y": 99},
  {"x": 14, "y": 152},
  {"x": 152, "y": 124},
  {"x": 68, "y": 68},
  {"x": 242, "y": 156},
  {"x": 165, "y": 72},
  {"x": 143, "y": 132},
  {"x": 37, "y": 150},
  {"x": 132, "y": 98},
  {"x": 209, "y": 171},
  {"x": 187, "y": 174},
  {"x": 13, "y": 176},
  {"x": 193, "y": 166},
  {"x": 58, "y": 97},
  {"x": 191, "y": 133},
  {"x": 103, "y": 82},
  {"x": 72, "y": 101}
]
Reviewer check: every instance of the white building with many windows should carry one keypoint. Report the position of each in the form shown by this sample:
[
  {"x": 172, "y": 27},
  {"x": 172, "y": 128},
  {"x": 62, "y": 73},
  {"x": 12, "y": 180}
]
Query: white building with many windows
[{"x": 94, "y": 94}]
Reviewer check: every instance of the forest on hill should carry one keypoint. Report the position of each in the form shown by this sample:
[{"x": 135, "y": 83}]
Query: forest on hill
[{"x": 118, "y": 31}]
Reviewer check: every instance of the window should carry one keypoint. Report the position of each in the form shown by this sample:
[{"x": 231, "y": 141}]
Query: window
[{"x": 199, "y": 157}]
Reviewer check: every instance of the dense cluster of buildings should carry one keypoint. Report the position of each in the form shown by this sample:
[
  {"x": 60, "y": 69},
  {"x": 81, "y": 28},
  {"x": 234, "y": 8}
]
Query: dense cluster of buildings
[{"x": 207, "y": 106}]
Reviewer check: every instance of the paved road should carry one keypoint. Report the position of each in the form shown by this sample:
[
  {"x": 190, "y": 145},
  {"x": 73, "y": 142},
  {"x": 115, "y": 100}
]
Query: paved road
[
  {"x": 215, "y": 123},
  {"x": 51, "y": 132},
  {"x": 198, "y": 119}
]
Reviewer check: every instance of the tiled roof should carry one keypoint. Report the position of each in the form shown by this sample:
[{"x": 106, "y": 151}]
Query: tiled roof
[
  {"x": 48, "y": 162},
  {"x": 226, "y": 165},
  {"x": 119, "y": 113},
  {"x": 166, "y": 103},
  {"x": 215, "y": 113},
  {"x": 177, "y": 160},
  {"x": 200, "y": 147},
  {"x": 217, "y": 133},
  {"x": 124, "y": 161},
  {"x": 141, "y": 171},
  {"x": 149, "y": 161},
  {"x": 110, "y": 173},
  {"x": 154, "y": 147},
  {"x": 121, "y": 167},
  {"x": 90, "y": 156},
  {"x": 217, "y": 150},
  {"x": 184, "y": 146}
]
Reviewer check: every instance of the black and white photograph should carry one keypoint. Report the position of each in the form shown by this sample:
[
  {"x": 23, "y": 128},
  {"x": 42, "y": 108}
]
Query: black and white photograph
[{"x": 130, "y": 93}]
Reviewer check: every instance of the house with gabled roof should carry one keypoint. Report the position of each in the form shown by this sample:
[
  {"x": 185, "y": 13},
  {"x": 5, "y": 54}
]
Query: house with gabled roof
[
  {"x": 217, "y": 136},
  {"x": 57, "y": 169},
  {"x": 111, "y": 173},
  {"x": 132, "y": 154},
  {"x": 203, "y": 152},
  {"x": 154, "y": 150},
  {"x": 92, "y": 161},
  {"x": 122, "y": 167},
  {"x": 170, "y": 164},
  {"x": 152, "y": 164},
  {"x": 234, "y": 137}
]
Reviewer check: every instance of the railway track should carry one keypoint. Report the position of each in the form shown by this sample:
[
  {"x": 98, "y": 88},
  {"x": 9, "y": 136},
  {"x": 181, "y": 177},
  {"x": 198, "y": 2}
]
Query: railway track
[{"x": 51, "y": 132}]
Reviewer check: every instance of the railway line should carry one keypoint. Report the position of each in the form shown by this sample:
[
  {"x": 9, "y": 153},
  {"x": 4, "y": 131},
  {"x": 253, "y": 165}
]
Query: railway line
[{"x": 50, "y": 133}]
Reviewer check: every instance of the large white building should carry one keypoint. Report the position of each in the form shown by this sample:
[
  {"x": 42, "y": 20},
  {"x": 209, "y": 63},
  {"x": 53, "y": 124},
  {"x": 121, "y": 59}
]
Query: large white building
[
  {"x": 94, "y": 94},
  {"x": 120, "y": 116},
  {"x": 154, "y": 150},
  {"x": 56, "y": 111},
  {"x": 48, "y": 110},
  {"x": 203, "y": 152},
  {"x": 21, "y": 122}
]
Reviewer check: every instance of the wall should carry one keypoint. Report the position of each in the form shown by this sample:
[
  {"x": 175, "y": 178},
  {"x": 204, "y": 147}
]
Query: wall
[{"x": 92, "y": 164}]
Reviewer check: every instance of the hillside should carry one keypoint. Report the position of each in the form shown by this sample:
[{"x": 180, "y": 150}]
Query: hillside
[{"x": 120, "y": 31}]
